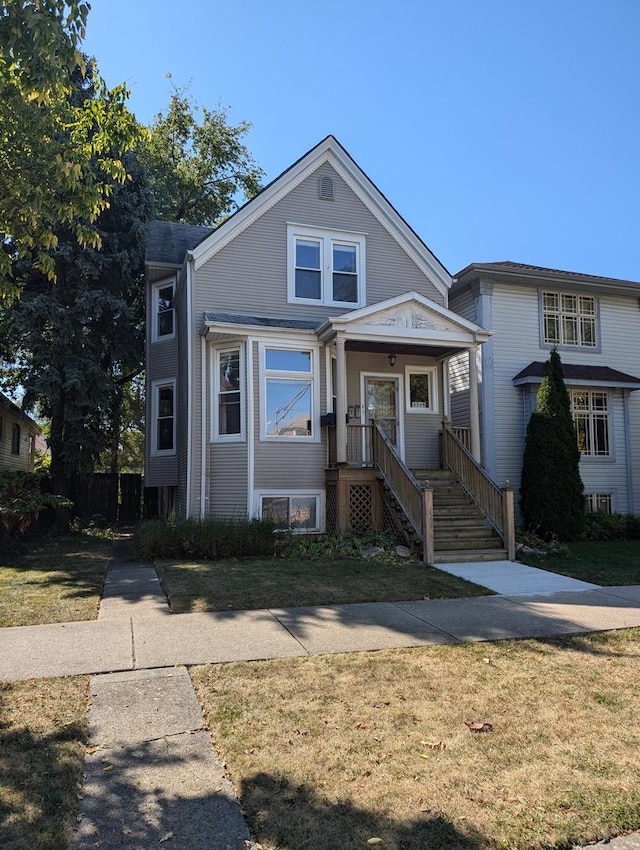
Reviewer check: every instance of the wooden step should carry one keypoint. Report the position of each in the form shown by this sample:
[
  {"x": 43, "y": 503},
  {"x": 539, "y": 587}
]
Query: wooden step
[
  {"x": 469, "y": 556},
  {"x": 466, "y": 544}
]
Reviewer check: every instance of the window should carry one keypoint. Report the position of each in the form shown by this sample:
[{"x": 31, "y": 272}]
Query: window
[
  {"x": 569, "y": 319},
  {"x": 289, "y": 393},
  {"x": 598, "y": 503},
  {"x": 15, "y": 439},
  {"x": 590, "y": 409},
  {"x": 294, "y": 512},
  {"x": 163, "y": 311},
  {"x": 229, "y": 379},
  {"x": 421, "y": 392},
  {"x": 326, "y": 267},
  {"x": 164, "y": 434}
]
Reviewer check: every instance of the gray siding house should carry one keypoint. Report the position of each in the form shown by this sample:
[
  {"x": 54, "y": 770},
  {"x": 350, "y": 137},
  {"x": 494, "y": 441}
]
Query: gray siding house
[
  {"x": 594, "y": 322},
  {"x": 311, "y": 361}
]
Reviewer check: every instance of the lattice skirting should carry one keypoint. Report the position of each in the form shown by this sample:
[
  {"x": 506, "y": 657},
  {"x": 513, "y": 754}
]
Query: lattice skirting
[
  {"x": 360, "y": 505},
  {"x": 332, "y": 508}
]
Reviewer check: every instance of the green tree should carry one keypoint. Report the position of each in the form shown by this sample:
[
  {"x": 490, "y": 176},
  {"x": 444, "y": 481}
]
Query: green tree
[
  {"x": 197, "y": 169},
  {"x": 51, "y": 142},
  {"x": 551, "y": 490}
]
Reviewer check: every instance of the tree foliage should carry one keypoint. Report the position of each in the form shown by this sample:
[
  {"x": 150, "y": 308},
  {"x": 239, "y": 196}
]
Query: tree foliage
[
  {"x": 551, "y": 490},
  {"x": 59, "y": 156},
  {"x": 196, "y": 168}
]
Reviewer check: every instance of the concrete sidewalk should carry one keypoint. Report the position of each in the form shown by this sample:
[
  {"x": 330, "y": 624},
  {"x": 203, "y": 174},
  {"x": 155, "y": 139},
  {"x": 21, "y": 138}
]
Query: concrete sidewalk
[{"x": 152, "y": 774}]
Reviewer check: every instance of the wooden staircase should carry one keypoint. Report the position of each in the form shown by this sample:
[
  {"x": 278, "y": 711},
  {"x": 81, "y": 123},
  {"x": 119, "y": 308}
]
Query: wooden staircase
[{"x": 461, "y": 533}]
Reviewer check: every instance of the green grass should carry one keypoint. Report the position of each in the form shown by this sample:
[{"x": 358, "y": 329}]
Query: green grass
[
  {"x": 609, "y": 563},
  {"x": 275, "y": 583},
  {"x": 53, "y": 579}
]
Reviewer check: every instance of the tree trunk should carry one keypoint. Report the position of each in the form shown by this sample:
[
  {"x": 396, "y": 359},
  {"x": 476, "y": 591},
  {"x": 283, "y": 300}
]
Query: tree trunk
[{"x": 59, "y": 478}]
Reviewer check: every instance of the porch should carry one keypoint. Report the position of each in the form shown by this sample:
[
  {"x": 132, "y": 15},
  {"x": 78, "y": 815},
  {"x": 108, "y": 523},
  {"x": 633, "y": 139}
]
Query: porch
[{"x": 454, "y": 513}]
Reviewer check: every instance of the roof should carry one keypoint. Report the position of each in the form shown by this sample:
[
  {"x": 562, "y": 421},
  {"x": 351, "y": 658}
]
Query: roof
[
  {"x": 7, "y": 404},
  {"x": 169, "y": 241},
  {"x": 261, "y": 321},
  {"x": 512, "y": 272},
  {"x": 579, "y": 374}
]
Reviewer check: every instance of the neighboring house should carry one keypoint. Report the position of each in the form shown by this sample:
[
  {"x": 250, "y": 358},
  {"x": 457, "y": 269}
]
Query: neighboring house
[
  {"x": 18, "y": 433},
  {"x": 276, "y": 341},
  {"x": 305, "y": 357},
  {"x": 594, "y": 322}
]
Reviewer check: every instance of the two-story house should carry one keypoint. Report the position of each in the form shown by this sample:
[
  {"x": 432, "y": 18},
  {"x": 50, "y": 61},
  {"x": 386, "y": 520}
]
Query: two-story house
[
  {"x": 306, "y": 358},
  {"x": 594, "y": 322},
  {"x": 284, "y": 343}
]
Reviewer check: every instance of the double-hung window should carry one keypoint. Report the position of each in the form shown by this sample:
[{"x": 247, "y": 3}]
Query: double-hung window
[
  {"x": 164, "y": 418},
  {"x": 590, "y": 410},
  {"x": 163, "y": 311},
  {"x": 228, "y": 392},
  {"x": 289, "y": 390},
  {"x": 569, "y": 320},
  {"x": 326, "y": 267}
]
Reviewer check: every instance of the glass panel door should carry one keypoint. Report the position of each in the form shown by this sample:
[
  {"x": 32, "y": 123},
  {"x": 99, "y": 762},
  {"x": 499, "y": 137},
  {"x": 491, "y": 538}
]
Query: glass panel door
[{"x": 381, "y": 404}]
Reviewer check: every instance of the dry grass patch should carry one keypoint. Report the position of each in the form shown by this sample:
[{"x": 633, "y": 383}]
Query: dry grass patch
[
  {"x": 42, "y": 738},
  {"x": 328, "y": 752},
  {"x": 53, "y": 580},
  {"x": 274, "y": 583}
]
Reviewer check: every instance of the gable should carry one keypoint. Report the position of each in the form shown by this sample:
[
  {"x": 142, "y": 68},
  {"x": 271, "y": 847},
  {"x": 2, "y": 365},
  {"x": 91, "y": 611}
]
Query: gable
[{"x": 355, "y": 205}]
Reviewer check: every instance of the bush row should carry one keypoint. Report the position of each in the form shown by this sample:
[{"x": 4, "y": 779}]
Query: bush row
[
  {"x": 601, "y": 526},
  {"x": 23, "y": 497},
  {"x": 211, "y": 539}
]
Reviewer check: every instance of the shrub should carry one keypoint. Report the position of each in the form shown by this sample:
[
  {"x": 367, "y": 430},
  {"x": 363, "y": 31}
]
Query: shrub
[
  {"x": 22, "y": 500},
  {"x": 343, "y": 545},
  {"x": 601, "y": 526},
  {"x": 211, "y": 539}
]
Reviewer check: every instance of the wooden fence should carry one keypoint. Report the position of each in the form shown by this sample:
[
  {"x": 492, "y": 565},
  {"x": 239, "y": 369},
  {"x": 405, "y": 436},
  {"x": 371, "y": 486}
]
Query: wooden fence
[{"x": 116, "y": 497}]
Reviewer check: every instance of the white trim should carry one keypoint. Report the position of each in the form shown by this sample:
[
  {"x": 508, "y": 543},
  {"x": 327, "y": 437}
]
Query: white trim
[
  {"x": 432, "y": 371},
  {"x": 203, "y": 428},
  {"x": 327, "y": 240},
  {"x": 156, "y": 386},
  {"x": 216, "y": 351},
  {"x": 268, "y": 374},
  {"x": 331, "y": 152},
  {"x": 276, "y": 492},
  {"x": 155, "y": 297},
  {"x": 251, "y": 424},
  {"x": 385, "y": 376},
  {"x": 190, "y": 400}
]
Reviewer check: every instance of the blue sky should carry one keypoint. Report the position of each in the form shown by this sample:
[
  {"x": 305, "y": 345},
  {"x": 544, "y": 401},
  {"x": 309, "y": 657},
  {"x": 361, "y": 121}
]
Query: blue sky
[{"x": 500, "y": 129}]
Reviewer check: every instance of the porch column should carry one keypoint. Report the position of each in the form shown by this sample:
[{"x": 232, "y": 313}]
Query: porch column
[
  {"x": 341, "y": 401},
  {"x": 473, "y": 403}
]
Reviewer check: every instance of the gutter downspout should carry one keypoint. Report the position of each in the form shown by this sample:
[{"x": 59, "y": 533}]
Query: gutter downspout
[{"x": 204, "y": 406}]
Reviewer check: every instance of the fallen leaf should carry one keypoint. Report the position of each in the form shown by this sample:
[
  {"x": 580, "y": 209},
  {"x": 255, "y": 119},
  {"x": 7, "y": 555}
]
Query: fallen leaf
[
  {"x": 434, "y": 745},
  {"x": 423, "y": 755},
  {"x": 479, "y": 727},
  {"x": 217, "y": 790},
  {"x": 374, "y": 841},
  {"x": 168, "y": 836},
  {"x": 108, "y": 767},
  {"x": 360, "y": 725}
]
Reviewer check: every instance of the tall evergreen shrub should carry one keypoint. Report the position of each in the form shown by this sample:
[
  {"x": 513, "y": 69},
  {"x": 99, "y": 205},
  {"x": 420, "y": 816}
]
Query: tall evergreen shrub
[{"x": 551, "y": 490}]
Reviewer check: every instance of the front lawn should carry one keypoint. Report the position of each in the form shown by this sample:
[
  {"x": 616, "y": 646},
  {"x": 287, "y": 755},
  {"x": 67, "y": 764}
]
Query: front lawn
[
  {"x": 612, "y": 563},
  {"x": 53, "y": 579},
  {"x": 334, "y": 751},
  {"x": 42, "y": 742},
  {"x": 277, "y": 583}
]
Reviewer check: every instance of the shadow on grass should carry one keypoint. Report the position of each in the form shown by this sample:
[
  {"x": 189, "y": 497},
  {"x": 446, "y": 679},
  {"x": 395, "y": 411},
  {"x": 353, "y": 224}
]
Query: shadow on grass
[
  {"x": 291, "y": 816},
  {"x": 39, "y": 779}
]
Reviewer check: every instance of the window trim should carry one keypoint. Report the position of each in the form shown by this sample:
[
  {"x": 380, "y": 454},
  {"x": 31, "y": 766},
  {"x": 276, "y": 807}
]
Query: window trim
[
  {"x": 272, "y": 374},
  {"x": 155, "y": 307},
  {"x": 589, "y": 457},
  {"x": 216, "y": 436},
  {"x": 327, "y": 239},
  {"x": 563, "y": 346},
  {"x": 590, "y": 497},
  {"x": 432, "y": 372},
  {"x": 156, "y": 386},
  {"x": 280, "y": 493},
  {"x": 16, "y": 439}
]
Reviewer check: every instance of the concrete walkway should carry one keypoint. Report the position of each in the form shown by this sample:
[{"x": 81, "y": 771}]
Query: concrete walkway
[{"x": 152, "y": 775}]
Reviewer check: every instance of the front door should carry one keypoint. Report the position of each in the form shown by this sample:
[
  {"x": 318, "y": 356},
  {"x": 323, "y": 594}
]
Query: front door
[{"x": 382, "y": 406}]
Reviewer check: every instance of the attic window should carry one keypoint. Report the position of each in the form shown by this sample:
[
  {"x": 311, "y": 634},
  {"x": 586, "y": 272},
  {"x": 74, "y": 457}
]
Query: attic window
[{"x": 325, "y": 188}]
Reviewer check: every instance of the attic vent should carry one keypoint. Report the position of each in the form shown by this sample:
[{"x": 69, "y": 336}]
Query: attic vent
[{"x": 325, "y": 188}]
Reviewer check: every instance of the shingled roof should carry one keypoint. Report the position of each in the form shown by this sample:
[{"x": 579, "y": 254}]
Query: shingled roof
[
  {"x": 579, "y": 373},
  {"x": 169, "y": 241}
]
